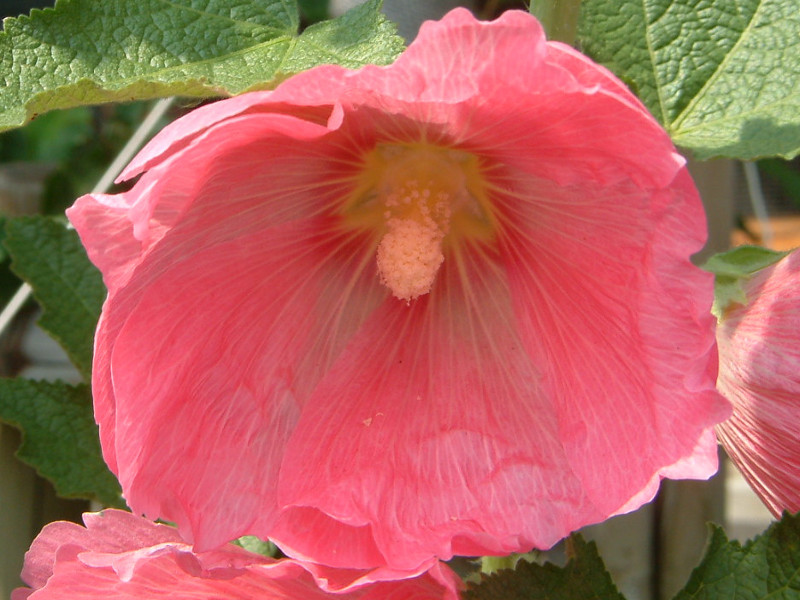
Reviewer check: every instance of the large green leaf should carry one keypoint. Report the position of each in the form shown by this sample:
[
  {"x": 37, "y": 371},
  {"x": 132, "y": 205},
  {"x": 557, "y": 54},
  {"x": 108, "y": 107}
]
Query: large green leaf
[
  {"x": 766, "y": 567},
  {"x": 70, "y": 289},
  {"x": 584, "y": 577},
  {"x": 91, "y": 51},
  {"x": 723, "y": 76},
  {"x": 59, "y": 437}
]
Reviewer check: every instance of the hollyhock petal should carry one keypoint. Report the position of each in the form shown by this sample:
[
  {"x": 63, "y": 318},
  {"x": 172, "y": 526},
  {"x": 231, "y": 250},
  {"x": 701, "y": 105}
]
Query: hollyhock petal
[
  {"x": 435, "y": 68},
  {"x": 120, "y": 532},
  {"x": 178, "y": 134},
  {"x": 250, "y": 379},
  {"x": 588, "y": 73},
  {"x": 554, "y": 301},
  {"x": 435, "y": 479},
  {"x": 139, "y": 218},
  {"x": 760, "y": 374},
  {"x": 596, "y": 325},
  {"x": 265, "y": 380},
  {"x": 123, "y": 556},
  {"x": 533, "y": 357},
  {"x": 153, "y": 210}
]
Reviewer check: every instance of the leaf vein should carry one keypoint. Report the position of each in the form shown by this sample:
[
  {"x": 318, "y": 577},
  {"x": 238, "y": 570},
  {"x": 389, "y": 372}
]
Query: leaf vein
[
  {"x": 177, "y": 6},
  {"x": 675, "y": 125}
]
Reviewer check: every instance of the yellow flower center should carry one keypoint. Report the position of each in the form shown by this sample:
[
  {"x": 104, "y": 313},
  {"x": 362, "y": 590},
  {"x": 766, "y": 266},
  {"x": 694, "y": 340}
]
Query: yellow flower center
[{"x": 420, "y": 199}]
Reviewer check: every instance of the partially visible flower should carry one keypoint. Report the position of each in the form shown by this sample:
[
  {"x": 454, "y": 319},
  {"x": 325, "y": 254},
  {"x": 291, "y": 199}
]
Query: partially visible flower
[
  {"x": 121, "y": 556},
  {"x": 759, "y": 353},
  {"x": 400, "y": 313}
]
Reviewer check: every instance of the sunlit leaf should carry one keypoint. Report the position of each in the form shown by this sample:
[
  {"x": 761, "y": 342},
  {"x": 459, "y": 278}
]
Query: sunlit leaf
[
  {"x": 91, "y": 51},
  {"x": 723, "y": 77}
]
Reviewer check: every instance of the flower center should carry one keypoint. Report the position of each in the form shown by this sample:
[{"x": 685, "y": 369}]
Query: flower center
[{"x": 421, "y": 199}]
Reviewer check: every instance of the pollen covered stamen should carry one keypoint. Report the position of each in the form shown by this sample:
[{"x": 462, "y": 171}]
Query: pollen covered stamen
[
  {"x": 419, "y": 188},
  {"x": 410, "y": 252},
  {"x": 422, "y": 201}
]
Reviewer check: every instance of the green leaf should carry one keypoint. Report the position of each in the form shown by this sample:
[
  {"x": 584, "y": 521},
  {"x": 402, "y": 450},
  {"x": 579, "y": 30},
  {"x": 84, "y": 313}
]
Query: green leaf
[
  {"x": 766, "y": 567},
  {"x": 254, "y": 544},
  {"x": 723, "y": 77},
  {"x": 583, "y": 578},
  {"x": 733, "y": 269},
  {"x": 359, "y": 37},
  {"x": 59, "y": 437},
  {"x": 92, "y": 51},
  {"x": 69, "y": 288},
  {"x": 742, "y": 261}
]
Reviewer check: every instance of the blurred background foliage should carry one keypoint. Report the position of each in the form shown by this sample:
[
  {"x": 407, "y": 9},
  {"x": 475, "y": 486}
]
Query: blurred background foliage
[{"x": 57, "y": 157}]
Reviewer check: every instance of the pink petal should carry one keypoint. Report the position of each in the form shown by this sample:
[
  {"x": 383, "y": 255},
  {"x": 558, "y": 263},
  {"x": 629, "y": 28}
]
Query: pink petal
[
  {"x": 590, "y": 74},
  {"x": 125, "y": 557},
  {"x": 250, "y": 380},
  {"x": 138, "y": 220},
  {"x": 179, "y": 134},
  {"x": 469, "y": 445},
  {"x": 113, "y": 531},
  {"x": 252, "y": 374},
  {"x": 437, "y": 68},
  {"x": 603, "y": 306},
  {"x": 434, "y": 451},
  {"x": 760, "y": 375}
]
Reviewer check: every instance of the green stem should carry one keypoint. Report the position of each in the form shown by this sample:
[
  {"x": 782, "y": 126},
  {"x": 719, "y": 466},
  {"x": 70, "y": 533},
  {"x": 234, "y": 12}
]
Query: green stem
[{"x": 559, "y": 18}]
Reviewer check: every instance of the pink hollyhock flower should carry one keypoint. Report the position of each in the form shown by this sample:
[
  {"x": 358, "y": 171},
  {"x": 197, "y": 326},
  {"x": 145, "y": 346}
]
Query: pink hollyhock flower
[
  {"x": 385, "y": 315},
  {"x": 122, "y": 556},
  {"x": 760, "y": 374}
]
